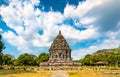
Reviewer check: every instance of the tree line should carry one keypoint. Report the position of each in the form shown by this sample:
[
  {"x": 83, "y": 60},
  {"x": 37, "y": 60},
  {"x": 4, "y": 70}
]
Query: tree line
[
  {"x": 1, "y": 49},
  {"x": 24, "y": 59},
  {"x": 109, "y": 56}
]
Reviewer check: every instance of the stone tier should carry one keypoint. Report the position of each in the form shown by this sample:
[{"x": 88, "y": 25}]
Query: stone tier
[{"x": 60, "y": 64}]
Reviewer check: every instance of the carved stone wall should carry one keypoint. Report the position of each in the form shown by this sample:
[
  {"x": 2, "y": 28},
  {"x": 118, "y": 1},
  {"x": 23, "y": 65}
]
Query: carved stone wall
[
  {"x": 60, "y": 53},
  {"x": 59, "y": 50}
]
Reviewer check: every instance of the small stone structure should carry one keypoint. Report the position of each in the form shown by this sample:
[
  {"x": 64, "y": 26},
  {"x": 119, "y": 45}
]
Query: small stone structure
[{"x": 60, "y": 53}]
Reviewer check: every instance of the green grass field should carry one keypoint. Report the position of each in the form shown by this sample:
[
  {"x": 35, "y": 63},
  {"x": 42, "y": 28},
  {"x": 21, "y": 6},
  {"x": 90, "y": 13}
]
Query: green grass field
[
  {"x": 85, "y": 72},
  {"x": 21, "y": 73},
  {"x": 91, "y": 73}
]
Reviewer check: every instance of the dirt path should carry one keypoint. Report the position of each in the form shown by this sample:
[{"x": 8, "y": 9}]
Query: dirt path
[{"x": 60, "y": 73}]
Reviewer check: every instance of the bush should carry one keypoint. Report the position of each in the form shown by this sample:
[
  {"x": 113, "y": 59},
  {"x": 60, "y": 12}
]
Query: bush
[
  {"x": 12, "y": 67},
  {"x": 1, "y": 67}
]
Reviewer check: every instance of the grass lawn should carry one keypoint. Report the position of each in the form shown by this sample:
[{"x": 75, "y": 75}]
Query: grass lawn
[
  {"x": 22, "y": 73},
  {"x": 91, "y": 73},
  {"x": 86, "y": 72}
]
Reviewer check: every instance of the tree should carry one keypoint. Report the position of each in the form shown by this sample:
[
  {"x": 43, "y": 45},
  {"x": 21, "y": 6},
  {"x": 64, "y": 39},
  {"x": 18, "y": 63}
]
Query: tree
[
  {"x": 26, "y": 59},
  {"x": 110, "y": 56},
  {"x": 1, "y": 49},
  {"x": 1, "y": 60},
  {"x": 87, "y": 60},
  {"x": 8, "y": 59},
  {"x": 43, "y": 57},
  {"x": 15, "y": 62}
]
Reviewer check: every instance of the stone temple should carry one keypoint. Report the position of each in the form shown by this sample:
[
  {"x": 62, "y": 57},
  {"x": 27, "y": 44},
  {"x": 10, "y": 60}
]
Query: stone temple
[{"x": 59, "y": 53}]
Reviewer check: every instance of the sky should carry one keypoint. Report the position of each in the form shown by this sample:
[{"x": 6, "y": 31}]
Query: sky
[{"x": 30, "y": 26}]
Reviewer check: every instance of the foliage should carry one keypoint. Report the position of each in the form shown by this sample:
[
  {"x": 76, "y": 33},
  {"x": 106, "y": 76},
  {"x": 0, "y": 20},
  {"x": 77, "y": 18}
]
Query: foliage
[
  {"x": 110, "y": 56},
  {"x": 15, "y": 62},
  {"x": 1, "y": 44},
  {"x": 1, "y": 60},
  {"x": 43, "y": 57},
  {"x": 8, "y": 59},
  {"x": 1, "y": 49},
  {"x": 26, "y": 59},
  {"x": 23, "y": 59}
]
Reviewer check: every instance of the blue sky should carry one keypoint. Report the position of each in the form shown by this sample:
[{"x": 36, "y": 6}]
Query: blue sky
[{"x": 30, "y": 26}]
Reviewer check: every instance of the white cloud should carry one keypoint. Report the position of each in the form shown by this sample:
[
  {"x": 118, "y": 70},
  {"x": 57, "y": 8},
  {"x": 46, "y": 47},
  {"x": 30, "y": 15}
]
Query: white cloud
[
  {"x": 106, "y": 44},
  {"x": 1, "y": 30},
  {"x": 82, "y": 8},
  {"x": 86, "y": 20},
  {"x": 35, "y": 2},
  {"x": 71, "y": 33},
  {"x": 103, "y": 17},
  {"x": 96, "y": 12},
  {"x": 27, "y": 21},
  {"x": 118, "y": 24},
  {"x": 14, "y": 40},
  {"x": 112, "y": 41}
]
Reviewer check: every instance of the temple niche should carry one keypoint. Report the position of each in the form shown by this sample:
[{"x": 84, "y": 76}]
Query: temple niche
[{"x": 59, "y": 53}]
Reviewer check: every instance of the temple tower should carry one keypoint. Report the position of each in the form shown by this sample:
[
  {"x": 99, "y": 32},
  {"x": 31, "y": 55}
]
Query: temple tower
[
  {"x": 60, "y": 50},
  {"x": 59, "y": 53}
]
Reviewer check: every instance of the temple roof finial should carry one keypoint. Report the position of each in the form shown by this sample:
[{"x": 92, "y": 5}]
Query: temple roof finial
[{"x": 59, "y": 32}]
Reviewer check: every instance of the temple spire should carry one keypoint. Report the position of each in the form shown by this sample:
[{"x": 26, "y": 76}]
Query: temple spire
[
  {"x": 60, "y": 53},
  {"x": 60, "y": 32}
]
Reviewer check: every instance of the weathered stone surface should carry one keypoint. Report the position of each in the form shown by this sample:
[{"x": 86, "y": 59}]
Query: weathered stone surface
[
  {"x": 60, "y": 53},
  {"x": 59, "y": 50}
]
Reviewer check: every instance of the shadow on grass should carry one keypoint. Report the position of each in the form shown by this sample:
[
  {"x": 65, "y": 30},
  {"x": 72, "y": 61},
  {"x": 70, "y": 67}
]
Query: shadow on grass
[
  {"x": 6, "y": 72},
  {"x": 73, "y": 73}
]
